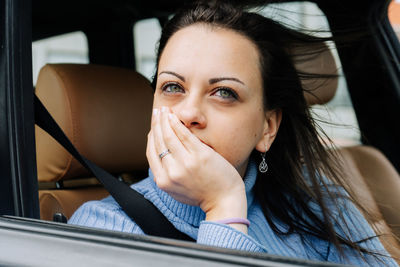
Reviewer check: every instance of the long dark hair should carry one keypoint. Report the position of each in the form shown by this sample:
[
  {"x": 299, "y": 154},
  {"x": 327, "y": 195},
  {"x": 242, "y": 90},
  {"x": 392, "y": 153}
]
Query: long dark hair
[{"x": 298, "y": 159}]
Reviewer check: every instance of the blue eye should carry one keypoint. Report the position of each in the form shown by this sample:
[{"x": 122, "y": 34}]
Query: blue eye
[
  {"x": 226, "y": 93},
  {"x": 172, "y": 88}
]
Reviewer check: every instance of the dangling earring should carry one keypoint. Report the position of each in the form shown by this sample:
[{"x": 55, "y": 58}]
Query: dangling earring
[{"x": 263, "y": 167}]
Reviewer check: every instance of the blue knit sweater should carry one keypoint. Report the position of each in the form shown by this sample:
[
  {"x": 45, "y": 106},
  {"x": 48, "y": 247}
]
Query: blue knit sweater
[{"x": 107, "y": 214}]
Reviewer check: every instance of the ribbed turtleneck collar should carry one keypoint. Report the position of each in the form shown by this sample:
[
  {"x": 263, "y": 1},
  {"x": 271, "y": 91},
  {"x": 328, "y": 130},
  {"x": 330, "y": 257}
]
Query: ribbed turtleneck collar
[{"x": 193, "y": 215}]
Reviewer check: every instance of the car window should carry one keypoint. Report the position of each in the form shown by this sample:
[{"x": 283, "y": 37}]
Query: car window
[
  {"x": 337, "y": 119},
  {"x": 394, "y": 16},
  {"x": 146, "y": 34},
  {"x": 66, "y": 48}
]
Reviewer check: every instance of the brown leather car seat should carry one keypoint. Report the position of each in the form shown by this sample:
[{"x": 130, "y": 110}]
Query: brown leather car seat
[
  {"x": 105, "y": 112},
  {"x": 372, "y": 179},
  {"x": 376, "y": 185}
]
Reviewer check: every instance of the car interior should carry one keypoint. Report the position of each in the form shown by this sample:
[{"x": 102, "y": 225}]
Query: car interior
[
  {"x": 104, "y": 107},
  {"x": 97, "y": 88},
  {"x": 105, "y": 111}
]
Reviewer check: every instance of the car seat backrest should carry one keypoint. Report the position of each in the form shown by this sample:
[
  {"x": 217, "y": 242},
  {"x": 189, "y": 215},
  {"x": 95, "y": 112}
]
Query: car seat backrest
[
  {"x": 376, "y": 185},
  {"x": 105, "y": 112},
  {"x": 372, "y": 179},
  {"x": 316, "y": 59}
]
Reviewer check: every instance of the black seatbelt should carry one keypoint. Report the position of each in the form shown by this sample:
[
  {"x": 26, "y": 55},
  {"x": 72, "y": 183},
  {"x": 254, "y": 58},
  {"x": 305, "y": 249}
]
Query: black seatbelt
[{"x": 139, "y": 209}]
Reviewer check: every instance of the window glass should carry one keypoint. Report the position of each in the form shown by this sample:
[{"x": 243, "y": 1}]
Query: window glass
[
  {"x": 66, "y": 48},
  {"x": 337, "y": 118},
  {"x": 394, "y": 16},
  {"x": 146, "y": 35}
]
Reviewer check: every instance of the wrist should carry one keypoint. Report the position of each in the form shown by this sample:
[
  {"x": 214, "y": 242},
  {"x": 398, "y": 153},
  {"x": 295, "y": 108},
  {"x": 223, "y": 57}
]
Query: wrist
[{"x": 233, "y": 205}]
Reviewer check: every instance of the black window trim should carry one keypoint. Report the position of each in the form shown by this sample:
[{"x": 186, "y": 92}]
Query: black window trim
[{"x": 18, "y": 183}]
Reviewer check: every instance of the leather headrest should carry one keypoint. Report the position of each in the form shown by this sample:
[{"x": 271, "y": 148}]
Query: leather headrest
[
  {"x": 319, "y": 60},
  {"x": 105, "y": 112}
]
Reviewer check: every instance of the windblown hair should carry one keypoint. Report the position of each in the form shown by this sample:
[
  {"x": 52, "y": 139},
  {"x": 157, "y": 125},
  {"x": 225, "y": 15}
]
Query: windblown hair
[{"x": 298, "y": 160}]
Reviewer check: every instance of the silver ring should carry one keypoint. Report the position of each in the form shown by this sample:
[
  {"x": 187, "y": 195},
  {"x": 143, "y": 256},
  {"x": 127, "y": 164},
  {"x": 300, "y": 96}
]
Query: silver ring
[{"x": 164, "y": 153}]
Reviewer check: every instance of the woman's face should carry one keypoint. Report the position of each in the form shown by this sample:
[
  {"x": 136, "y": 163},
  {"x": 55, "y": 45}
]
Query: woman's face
[{"x": 210, "y": 78}]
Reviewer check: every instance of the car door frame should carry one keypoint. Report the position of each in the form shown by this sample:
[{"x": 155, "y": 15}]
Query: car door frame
[
  {"x": 54, "y": 244},
  {"x": 18, "y": 178}
]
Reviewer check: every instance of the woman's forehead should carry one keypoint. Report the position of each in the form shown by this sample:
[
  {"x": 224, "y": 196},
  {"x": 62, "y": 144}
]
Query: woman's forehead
[{"x": 211, "y": 50}]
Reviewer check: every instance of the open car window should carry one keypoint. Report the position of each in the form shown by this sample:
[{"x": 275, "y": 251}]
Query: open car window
[{"x": 337, "y": 118}]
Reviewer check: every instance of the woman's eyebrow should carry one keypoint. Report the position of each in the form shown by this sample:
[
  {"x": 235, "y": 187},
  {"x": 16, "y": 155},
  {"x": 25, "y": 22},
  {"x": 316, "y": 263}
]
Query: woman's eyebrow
[
  {"x": 173, "y": 73},
  {"x": 215, "y": 80}
]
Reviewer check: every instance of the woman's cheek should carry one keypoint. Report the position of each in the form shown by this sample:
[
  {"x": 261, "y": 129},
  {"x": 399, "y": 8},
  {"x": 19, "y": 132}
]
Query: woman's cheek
[{"x": 234, "y": 150}]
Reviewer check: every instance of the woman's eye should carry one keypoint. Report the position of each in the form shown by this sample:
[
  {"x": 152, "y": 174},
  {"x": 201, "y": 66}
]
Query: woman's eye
[
  {"x": 172, "y": 88},
  {"x": 226, "y": 93}
]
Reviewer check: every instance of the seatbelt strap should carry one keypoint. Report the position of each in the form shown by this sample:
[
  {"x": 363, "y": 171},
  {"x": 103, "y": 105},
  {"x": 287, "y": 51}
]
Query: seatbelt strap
[{"x": 139, "y": 209}]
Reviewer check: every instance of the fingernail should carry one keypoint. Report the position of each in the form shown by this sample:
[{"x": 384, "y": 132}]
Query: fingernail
[
  {"x": 170, "y": 115},
  {"x": 163, "y": 109},
  {"x": 155, "y": 111}
]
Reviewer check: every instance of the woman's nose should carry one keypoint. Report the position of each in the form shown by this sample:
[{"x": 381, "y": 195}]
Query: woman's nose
[{"x": 191, "y": 114}]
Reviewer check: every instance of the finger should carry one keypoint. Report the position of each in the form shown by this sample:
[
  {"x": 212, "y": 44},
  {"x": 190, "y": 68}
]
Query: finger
[
  {"x": 171, "y": 141},
  {"x": 153, "y": 116},
  {"x": 189, "y": 140},
  {"x": 154, "y": 160},
  {"x": 159, "y": 145},
  {"x": 157, "y": 165}
]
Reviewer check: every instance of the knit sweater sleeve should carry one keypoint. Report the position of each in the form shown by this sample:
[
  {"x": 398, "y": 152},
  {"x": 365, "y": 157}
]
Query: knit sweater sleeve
[
  {"x": 104, "y": 215},
  {"x": 221, "y": 235},
  {"x": 353, "y": 225}
]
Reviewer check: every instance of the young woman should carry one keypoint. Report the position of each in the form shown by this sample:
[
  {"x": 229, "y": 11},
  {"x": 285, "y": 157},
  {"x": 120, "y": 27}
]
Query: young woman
[{"x": 235, "y": 158}]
